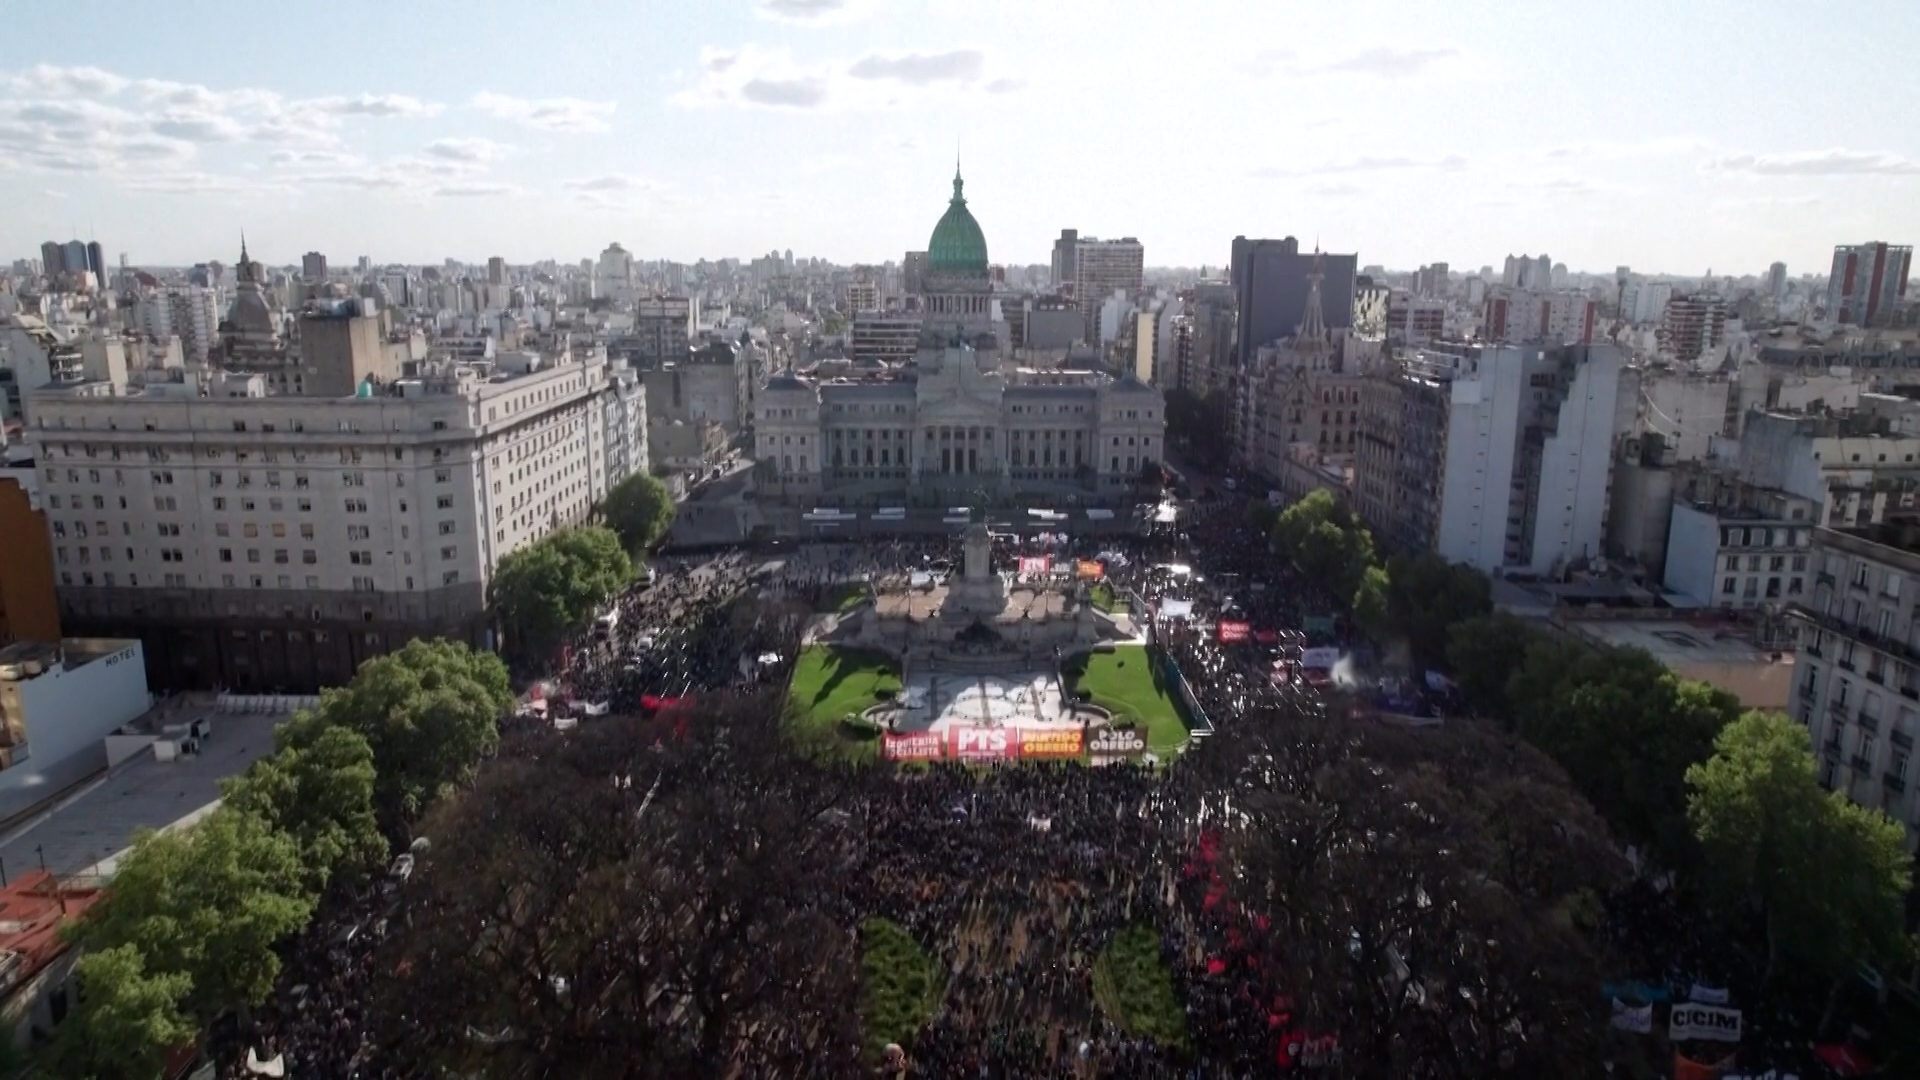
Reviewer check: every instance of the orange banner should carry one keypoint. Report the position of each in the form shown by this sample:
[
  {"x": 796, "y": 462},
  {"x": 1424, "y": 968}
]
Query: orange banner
[{"x": 1050, "y": 742}]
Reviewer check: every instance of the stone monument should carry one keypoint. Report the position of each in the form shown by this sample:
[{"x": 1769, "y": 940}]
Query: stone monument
[{"x": 979, "y": 593}]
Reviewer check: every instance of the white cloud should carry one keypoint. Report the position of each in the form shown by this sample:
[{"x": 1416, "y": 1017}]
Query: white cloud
[
  {"x": 604, "y": 183},
  {"x": 803, "y": 93},
  {"x": 372, "y": 105},
  {"x": 922, "y": 69},
  {"x": 474, "y": 150},
  {"x": 476, "y": 190},
  {"x": 49, "y": 79},
  {"x": 814, "y": 12},
  {"x": 1388, "y": 62},
  {"x": 1390, "y": 163},
  {"x": 754, "y": 76},
  {"x": 1836, "y": 162},
  {"x": 566, "y": 115}
]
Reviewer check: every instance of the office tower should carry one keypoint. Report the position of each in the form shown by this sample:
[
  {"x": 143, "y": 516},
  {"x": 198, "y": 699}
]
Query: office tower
[
  {"x": 1064, "y": 260},
  {"x": 496, "y": 271},
  {"x": 1270, "y": 285},
  {"x": 1867, "y": 283},
  {"x": 195, "y": 317},
  {"x": 53, "y": 259},
  {"x": 313, "y": 266},
  {"x": 366, "y": 263},
  {"x": 1777, "y": 280}
]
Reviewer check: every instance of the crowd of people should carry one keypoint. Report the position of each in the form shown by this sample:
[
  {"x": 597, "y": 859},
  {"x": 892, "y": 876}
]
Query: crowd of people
[{"x": 1013, "y": 881}]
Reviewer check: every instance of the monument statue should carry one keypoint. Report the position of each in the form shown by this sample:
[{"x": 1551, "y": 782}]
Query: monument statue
[{"x": 979, "y": 591}]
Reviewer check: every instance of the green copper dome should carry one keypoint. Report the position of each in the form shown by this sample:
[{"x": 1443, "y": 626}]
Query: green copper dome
[{"x": 958, "y": 246}]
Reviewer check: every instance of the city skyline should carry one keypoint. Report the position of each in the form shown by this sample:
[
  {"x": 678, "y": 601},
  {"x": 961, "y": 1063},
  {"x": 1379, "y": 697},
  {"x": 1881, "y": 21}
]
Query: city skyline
[{"x": 829, "y": 127}]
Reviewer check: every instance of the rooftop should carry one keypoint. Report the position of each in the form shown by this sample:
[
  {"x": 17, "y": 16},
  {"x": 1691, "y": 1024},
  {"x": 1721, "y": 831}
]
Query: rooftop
[{"x": 87, "y": 831}]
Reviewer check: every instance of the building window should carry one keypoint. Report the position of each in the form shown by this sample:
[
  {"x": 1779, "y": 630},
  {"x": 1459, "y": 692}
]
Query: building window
[
  {"x": 446, "y": 528},
  {"x": 1727, "y": 585}
]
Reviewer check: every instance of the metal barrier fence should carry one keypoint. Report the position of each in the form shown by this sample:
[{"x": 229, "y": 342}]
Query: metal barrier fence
[
  {"x": 266, "y": 704},
  {"x": 1200, "y": 724}
]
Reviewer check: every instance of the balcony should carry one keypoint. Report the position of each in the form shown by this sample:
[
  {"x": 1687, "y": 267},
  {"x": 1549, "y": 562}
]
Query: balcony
[
  {"x": 1823, "y": 578},
  {"x": 1845, "y": 663},
  {"x": 1894, "y": 647},
  {"x": 1813, "y": 650},
  {"x": 1838, "y": 707},
  {"x": 1858, "y": 585},
  {"x": 1870, "y": 723},
  {"x": 1861, "y": 764},
  {"x": 1901, "y": 740},
  {"x": 1831, "y": 748},
  {"x": 1807, "y": 692},
  {"x": 1910, "y": 691},
  {"x": 1876, "y": 676},
  {"x": 1897, "y": 784}
]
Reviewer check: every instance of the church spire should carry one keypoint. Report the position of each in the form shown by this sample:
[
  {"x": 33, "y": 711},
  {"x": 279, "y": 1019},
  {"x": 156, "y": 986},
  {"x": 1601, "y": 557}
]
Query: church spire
[{"x": 1313, "y": 324}]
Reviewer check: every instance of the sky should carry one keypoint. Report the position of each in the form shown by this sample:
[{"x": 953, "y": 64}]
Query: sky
[{"x": 1721, "y": 134}]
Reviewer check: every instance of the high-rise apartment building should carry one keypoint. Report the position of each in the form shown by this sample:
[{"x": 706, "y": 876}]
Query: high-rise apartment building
[
  {"x": 313, "y": 266},
  {"x": 1856, "y": 678},
  {"x": 1525, "y": 316},
  {"x": 1498, "y": 456},
  {"x": 1867, "y": 283},
  {"x": 195, "y": 316},
  {"x": 1102, "y": 268},
  {"x": 1777, "y": 281},
  {"x": 496, "y": 270},
  {"x": 1693, "y": 326},
  {"x": 274, "y": 542},
  {"x": 663, "y": 329}
]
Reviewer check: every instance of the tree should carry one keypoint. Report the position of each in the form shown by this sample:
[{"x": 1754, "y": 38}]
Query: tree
[
  {"x": 1412, "y": 890},
  {"x": 1372, "y": 604},
  {"x": 429, "y": 713},
  {"x": 1625, "y": 728},
  {"x": 128, "y": 1020},
  {"x": 649, "y": 901},
  {"x": 206, "y": 903},
  {"x": 1483, "y": 653},
  {"x": 1428, "y": 596},
  {"x": 1320, "y": 537},
  {"x": 547, "y": 589},
  {"x": 1828, "y": 877},
  {"x": 639, "y": 510},
  {"x": 317, "y": 788}
]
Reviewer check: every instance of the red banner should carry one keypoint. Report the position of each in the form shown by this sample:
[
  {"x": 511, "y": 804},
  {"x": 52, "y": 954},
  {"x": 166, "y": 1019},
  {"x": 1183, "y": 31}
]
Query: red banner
[
  {"x": 1034, "y": 565},
  {"x": 982, "y": 743},
  {"x": 1050, "y": 742},
  {"x": 919, "y": 746},
  {"x": 1234, "y": 630}
]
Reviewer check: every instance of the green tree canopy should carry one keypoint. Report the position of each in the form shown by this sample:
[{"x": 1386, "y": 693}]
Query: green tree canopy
[
  {"x": 128, "y": 1020},
  {"x": 1484, "y": 654},
  {"x": 1829, "y": 877},
  {"x": 1321, "y": 537},
  {"x": 1372, "y": 604},
  {"x": 544, "y": 590},
  {"x": 639, "y": 510},
  {"x": 206, "y": 903},
  {"x": 1624, "y": 727},
  {"x": 429, "y": 713},
  {"x": 1428, "y": 596},
  {"x": 318, "y": 789}
]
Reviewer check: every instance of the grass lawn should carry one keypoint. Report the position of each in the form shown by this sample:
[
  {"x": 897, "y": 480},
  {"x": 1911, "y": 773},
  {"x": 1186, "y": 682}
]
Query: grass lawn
[
  {"x": 1102, "y": 598},
  {"x": 1134, "y": 989},
  {"x": 1121, "y": 681},
  {"x": 845, "y": 598},
  {"x": 903, "y": 985},
  {"x": 830, "y": 684}
]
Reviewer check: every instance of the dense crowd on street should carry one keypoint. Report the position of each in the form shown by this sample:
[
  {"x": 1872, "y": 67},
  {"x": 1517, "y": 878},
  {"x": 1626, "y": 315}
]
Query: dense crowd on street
[{"x": 1011, "y": 880}]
